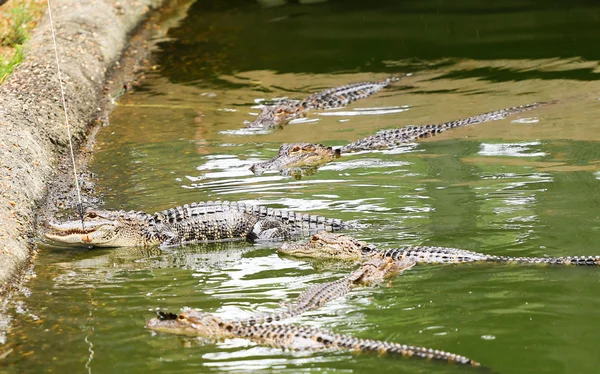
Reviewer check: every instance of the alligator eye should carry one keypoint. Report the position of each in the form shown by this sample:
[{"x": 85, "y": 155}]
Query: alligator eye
[
  {"x": 279, "y": 110},
  {"x": 296, "y": 149},
  {"x": 91, "y": 215},
  {"x": 367, "y": 249},
  {"x": 181, "y": 316}
]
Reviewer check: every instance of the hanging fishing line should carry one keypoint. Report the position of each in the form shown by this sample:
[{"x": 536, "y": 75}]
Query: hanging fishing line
[{"x": 64, "y": 103}]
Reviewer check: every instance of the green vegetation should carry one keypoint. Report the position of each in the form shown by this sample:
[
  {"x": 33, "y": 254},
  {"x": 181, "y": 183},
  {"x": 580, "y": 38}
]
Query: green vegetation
[
  {"x": 16, "y": 21},
  {"x": 8, "y": 65}
]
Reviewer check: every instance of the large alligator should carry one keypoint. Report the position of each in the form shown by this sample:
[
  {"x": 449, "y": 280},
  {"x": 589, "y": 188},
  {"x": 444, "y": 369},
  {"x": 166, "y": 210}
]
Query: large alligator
[
  {"x": 287, "y": 336},
  {"x": 326, "y": 245},
  {"x": 283, "y": 111},
  {"x": 197, "y": 222},
  {"x": 307, "y": 155}
]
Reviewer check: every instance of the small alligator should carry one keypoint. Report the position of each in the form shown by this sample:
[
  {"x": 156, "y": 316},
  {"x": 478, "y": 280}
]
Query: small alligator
[
  {"x": 197, "y": 222},
  {"x": 326, "y": 245},
  {"x": 283, "y": 111},
  {"x": 307, "y": 155},
  {"x": 290, "y": 337},
  {"x": 370, "y": 273}
]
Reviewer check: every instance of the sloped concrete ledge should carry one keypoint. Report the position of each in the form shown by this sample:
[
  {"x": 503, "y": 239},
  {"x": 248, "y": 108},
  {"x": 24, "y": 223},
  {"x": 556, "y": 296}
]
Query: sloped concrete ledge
[{"x": 91, "y": 35}]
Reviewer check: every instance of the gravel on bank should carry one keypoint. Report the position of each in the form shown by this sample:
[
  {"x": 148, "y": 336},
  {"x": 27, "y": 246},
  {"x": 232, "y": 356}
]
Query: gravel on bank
[{"x": 91, "y": 35}]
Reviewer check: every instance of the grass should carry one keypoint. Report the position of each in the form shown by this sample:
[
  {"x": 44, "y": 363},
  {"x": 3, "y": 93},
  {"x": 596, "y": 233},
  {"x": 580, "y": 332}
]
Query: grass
[{"x": 17, "y": 19}]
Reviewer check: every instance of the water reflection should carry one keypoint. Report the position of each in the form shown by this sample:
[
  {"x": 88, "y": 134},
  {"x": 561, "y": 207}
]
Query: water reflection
[
  {"x": 522, "y": 149},
  {"x": 365, "y": 111}
]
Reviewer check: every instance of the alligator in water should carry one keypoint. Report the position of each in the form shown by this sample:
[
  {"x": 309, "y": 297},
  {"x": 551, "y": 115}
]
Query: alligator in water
[
  {"x": 286, "y": 336},
  {"x": 196, "y": 222},
  {"x": 283, "y": 111},
  {"x": 371, "y": 272},
  {"x": 326, "y": 245},
  {"x": 310, "y": 156}
]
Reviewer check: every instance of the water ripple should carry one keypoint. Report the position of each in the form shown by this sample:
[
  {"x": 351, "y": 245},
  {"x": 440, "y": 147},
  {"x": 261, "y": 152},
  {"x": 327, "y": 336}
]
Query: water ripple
[{"x": 522, "y": 149}]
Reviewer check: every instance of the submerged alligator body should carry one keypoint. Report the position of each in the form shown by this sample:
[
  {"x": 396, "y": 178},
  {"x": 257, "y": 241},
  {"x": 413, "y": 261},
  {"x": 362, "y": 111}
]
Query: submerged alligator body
[
  {"x": 326, "y": 245},
  {"x": 307, "y": 155},
  {"x": 284, "y": 111},
  {"x": 196, "y": 222},
  {"x": 286, "y": 336},
  {"x": 373, "y": 271}
]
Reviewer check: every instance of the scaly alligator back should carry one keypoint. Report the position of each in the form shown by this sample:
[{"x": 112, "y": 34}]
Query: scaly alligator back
[
  {"x": 440, "y": 255},
  {"x": 341, "y": 96},
  {"x": 284, "y": 111},
  {"x": 222, "y": 226},
  {"x": 370, "y": 273},
  {"x": 432, "y": 255},
  {"x": 394, "y": 137},
  {"x": 291, "y": 337},
  {"x": 314, "y": 297},
  {"x": 303, "y": 223}
]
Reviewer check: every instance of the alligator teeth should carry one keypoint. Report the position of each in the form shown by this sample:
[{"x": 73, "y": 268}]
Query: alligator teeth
[{"x": 72, "y": 232}]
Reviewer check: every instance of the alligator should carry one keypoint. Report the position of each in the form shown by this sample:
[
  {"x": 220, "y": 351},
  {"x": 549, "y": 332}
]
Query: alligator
[
  {"x": 283, "y": 111},
  {"x": 212, "y": 221},
  {"x": 372, "y": 272},
  {"x": 287, "y": 336},
  {"x": 307, "y": 155},
  {"x": 325, "y": 245}
]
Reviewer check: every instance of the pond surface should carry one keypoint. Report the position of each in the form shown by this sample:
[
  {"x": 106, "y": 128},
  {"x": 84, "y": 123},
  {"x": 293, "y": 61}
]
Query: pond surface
[{"x": 524, "y": 186}]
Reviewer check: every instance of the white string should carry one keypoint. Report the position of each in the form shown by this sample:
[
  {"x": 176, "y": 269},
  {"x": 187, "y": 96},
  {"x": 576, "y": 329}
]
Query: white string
[{"x": 64, "y": 103}]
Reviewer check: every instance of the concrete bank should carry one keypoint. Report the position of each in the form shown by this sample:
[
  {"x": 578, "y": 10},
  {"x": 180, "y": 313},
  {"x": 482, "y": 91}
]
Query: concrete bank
[{"x": 91, "y": 37}]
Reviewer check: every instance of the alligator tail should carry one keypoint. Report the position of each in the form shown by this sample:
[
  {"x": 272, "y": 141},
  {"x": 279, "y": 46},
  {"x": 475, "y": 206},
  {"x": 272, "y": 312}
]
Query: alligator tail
[
  {"x": 408, "y": 134},
  {"x": 570, "y": 260},
  {"x": 439, "y": 255},
  {"x": 382, "y": 347},
  {"x": 489, "y": 116},
  {"x": 434, "y": 255},
  {"x": 307, "y": 338}
]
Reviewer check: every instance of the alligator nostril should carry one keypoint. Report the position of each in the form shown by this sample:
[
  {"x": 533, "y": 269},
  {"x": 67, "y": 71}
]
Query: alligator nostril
[{"x": 256, "y": 170}]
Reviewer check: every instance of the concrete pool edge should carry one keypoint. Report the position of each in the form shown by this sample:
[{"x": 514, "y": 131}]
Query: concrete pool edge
[{"x": 93, "y": 38}]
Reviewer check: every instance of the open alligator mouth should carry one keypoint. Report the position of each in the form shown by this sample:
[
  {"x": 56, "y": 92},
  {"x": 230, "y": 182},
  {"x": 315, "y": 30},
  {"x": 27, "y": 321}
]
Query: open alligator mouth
[
  {"x": 57, "y": 231},
  {"x": 70, "y": 233},
  {"x": 73, "y": 227}
]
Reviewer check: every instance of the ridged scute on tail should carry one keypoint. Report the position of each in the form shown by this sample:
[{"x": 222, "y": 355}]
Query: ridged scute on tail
[{"x": 408, "y": 134}]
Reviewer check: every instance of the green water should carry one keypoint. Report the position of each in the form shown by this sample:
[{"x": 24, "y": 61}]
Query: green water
[{"x": 524, "y": 186}]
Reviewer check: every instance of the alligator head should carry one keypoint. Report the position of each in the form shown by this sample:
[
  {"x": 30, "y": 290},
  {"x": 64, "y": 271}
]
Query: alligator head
[
  {"x": 329, "y": 245},
  {"x": 187, "y": 322},
  {"x": 297, "y": 155},
  {"x": 379, "y": 268},
  {"x": 277, "y": 115},
  {"x": 101, "y": 229}
]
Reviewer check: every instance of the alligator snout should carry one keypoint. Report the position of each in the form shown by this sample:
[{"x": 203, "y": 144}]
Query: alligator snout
[{"x": 257, "y": 169}]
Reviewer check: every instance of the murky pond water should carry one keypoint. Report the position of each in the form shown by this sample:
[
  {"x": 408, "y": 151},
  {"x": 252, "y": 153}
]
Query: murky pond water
[{"x": 524, "y": 186}]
